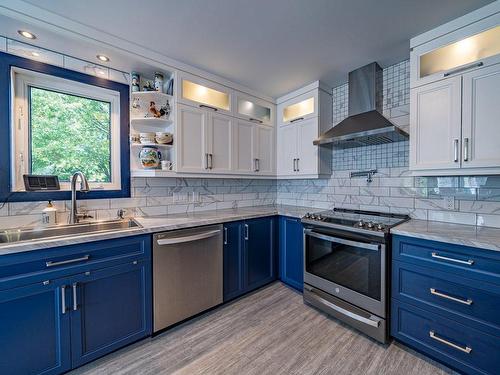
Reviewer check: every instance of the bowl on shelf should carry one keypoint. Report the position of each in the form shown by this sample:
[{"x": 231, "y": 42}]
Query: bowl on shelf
[
  {"x": 147, "y": 138},
  {"x": 163, "y": 138}
]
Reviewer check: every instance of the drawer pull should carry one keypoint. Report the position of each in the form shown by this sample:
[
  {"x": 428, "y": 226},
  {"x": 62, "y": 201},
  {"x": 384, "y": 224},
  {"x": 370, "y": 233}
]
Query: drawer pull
[
  {"x": 468, "y": 262},
  {"x": 51, "y": 263},
  {"x": 467, "y": 302},
  {"x": 446, "y": 342}
]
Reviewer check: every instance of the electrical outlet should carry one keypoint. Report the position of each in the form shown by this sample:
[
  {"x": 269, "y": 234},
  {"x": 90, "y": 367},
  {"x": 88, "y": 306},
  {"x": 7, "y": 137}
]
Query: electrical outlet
[{"x": 449, "y": 203}]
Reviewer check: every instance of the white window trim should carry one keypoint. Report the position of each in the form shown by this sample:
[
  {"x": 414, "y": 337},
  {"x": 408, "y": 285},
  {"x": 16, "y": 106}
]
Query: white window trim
[{"x": 21, "y": 79}]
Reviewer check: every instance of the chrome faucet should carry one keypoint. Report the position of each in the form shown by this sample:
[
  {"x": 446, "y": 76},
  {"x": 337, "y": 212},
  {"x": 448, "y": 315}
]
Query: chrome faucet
[{"x": 74, "y": 216}]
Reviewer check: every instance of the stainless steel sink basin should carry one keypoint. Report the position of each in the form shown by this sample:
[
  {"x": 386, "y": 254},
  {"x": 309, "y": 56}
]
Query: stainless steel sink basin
[{"x": 17, "y": 235}]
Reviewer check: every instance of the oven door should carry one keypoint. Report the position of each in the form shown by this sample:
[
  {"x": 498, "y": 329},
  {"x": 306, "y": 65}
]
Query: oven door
[{"x": 346, "y": 267}]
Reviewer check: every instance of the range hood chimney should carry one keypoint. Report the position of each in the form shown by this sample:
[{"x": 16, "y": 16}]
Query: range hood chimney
[{"x": 365, "y": 124}]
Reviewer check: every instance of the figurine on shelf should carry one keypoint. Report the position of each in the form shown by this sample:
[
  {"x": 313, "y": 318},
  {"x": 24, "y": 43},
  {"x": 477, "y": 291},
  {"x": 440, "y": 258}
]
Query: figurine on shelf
[
  {"x": 164, "y": 111},
  {"x": 148, "y": 86},
  {"x": 136, "y": 79},
  {"x": 136, "y": 103}
]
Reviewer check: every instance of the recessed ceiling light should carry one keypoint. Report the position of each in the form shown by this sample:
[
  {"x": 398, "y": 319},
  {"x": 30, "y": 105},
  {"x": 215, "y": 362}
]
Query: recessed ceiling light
[
  {"x": 36, "y": 54},
  {"x": 103, "y": 58},
  {"x": 26, "y": 34}
]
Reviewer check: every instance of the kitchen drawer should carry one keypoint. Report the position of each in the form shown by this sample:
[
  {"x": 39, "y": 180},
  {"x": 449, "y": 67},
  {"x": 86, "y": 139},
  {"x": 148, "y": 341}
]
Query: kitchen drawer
[
  {"x": 40, "y": 265},
  {"x": 464, "y": 261},
  {"x": 476, "y": 303},
  {"x": 459, "y": 346}
]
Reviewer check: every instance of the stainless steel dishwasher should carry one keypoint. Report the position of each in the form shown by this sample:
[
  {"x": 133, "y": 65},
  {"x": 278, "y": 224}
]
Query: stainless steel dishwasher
[{"x": 187, "y": 273}]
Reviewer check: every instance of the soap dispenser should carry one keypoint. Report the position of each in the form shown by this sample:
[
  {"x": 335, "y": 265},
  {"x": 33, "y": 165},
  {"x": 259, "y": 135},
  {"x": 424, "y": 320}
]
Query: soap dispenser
[{"x": 49, "y": 214}]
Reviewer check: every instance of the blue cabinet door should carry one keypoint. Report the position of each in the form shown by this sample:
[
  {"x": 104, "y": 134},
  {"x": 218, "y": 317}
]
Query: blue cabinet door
[
  {"x": 291, "y": 251},
  {"x": 110, "y": 307},
  {"x": 260, "y": 262},
  {"x": 233, "y": 260},
  {"x": 34, "y": 329}
]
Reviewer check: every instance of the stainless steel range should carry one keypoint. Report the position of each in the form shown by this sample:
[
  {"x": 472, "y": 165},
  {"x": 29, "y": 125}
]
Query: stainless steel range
[{"x": 346, "y": 259}]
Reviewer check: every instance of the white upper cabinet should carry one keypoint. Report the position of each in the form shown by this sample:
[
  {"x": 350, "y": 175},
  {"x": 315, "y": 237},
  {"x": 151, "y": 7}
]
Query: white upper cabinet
[
  {"x": 302, "y": 107},
  {"x": 435, "y": 125},
  {"x": 454, "y": 102},
  {"x": 220, "y": 143},
  {"x": 202, "y": 93},
  {"x": 253, "y": 109},
  {"x": 448, "y": 50},
  {"x": 302, "y": 116},
  {"x": 243, "y": 141},
  {"x": 191, "y": 140},
  {"x": 264, "y": 150},
  {"x": 481, "y": 118}
]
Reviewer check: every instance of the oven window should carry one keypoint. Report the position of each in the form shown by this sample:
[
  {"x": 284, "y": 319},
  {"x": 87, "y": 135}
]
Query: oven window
[{"x": 352, "y": 267}]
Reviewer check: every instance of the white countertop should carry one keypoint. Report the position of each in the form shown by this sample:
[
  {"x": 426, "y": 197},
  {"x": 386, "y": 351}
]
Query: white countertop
[
  {"x": 160, "y": 224},
  {"x": 459, "y": 234}
]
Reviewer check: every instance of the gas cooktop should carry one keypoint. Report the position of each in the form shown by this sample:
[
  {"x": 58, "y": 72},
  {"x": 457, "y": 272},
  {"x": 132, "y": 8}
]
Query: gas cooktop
[{"x": 356, "y": 219}]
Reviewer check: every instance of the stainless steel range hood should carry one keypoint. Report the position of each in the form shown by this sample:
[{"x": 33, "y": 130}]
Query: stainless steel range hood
[{"x": 365, "y": 124}]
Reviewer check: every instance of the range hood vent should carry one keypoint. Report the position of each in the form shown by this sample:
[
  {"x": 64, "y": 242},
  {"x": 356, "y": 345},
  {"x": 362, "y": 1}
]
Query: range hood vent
[{"x": 365, "y": 124}]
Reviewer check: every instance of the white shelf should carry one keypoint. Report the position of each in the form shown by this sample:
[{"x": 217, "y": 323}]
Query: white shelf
[
  {"x": 150, "y": 121},
  {"x": 152, "y": 93},
  {"x": 154, "y": 144},
  {"x": 152, "y": 173}
]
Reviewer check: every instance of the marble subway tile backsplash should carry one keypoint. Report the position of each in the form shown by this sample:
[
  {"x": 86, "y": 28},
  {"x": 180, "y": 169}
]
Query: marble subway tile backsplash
[{"x": 152, "y": 197}]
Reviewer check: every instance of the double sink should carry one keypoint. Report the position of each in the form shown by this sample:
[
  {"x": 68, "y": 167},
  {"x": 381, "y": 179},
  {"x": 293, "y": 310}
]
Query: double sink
[{"x": 17, "y": 235}]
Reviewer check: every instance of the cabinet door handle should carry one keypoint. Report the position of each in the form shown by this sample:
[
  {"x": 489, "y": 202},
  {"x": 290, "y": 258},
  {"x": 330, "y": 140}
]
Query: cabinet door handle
[
  {"x": 256, "y": 120},
  {"x": 294, "y": 167},
  {"x": 468, "y": 262},
  {"x": 208, "y": 107},
  {"x": 258, "y": 165},
  {"x": 466, "y": 149},
  {"x": 298, "y": 169},
  {"x": 455, "y": 150},
  {"x": 225, "y": 235},
  {"x": 246, "y": 232},
  {"x": 63, "y": 299},
  {"x": 464, "y": 68},
  {"x": 467, "y": 302},
  {"x": 433, "y": 336},
  {"x": 296, "y": 119},
  {"x": 51, "y": 263},
  {"x": 75, "y": 302},
  {"x": 211, "y": 158}
]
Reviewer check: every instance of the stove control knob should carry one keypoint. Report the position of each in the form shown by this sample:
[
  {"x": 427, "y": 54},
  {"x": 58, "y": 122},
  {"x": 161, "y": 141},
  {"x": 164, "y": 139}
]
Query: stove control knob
[
  {"x": 370, "y": 225},
  {"x": 380, "y": 227},
  {"x": 307, "y": 215},
  {"x": 360, "y": 223},
  {"x": 319, "y": 217}
]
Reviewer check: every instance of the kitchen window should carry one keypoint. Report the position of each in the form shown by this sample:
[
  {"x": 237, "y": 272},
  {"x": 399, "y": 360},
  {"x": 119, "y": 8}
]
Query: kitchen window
[{"x": 59, "y": 125}]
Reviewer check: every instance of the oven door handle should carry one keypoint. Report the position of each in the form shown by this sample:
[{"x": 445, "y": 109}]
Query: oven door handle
[{"x": 309, "y": 232}]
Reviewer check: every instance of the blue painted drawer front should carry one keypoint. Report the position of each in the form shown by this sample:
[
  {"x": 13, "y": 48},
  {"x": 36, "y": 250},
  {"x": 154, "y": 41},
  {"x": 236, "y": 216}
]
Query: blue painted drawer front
[
  {"x": 30, "y": 267},
  {"x": 34, "y": 332},
  {"x": 113, "y": 308},
  {"x": 485, "y": 263},
  {"x": 291, "y": 251},
  {"x": 412, "y": 326},
  {"x": 412, "y": 284}
]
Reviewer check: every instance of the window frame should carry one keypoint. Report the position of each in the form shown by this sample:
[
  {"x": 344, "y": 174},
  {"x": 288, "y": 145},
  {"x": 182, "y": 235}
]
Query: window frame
[{"x": 10, "y": 65}]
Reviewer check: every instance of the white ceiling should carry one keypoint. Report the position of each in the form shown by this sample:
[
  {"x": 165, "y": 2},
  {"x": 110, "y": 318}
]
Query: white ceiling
[{"x": 272, "y": 46}]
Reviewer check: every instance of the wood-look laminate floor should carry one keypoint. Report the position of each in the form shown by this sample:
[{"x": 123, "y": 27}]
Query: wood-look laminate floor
[{"x": 268, "y": 332}]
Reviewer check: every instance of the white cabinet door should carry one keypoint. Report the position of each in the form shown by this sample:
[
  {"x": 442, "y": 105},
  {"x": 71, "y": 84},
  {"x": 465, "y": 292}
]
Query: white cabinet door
[
  {"x": 307, "y": 153},
  {"x": 287, "y": 150},
  {"x": 435, "y": 125},
  {"x": 264, "y": 149},
  {"x": 481, "y": 118},
  {"x": 220, "y": 143},
  {"x": 243, "y": 141},
  {"x": 191, "y": 139}
]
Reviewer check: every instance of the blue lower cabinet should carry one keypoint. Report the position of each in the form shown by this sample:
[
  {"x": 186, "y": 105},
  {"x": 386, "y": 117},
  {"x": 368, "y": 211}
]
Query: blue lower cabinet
[
  {"x": 110, "y": 309},
  {"x": 459, "y": 346},
  {"x": 35, "y": 329},
  {"x": 291, "y": 251},
  {"x": 259, "y": 252},
  {"x": 59, "y": 323},
  {"x": 233, "y": 260},
  {"x": 249, "y": 255}
]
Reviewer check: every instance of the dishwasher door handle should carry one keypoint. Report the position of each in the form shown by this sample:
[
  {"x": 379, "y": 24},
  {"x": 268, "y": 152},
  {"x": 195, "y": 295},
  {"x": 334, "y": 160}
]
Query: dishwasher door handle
[{"x": 193, "y": 237}]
